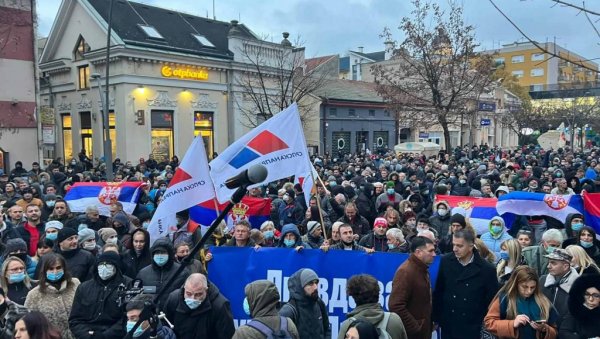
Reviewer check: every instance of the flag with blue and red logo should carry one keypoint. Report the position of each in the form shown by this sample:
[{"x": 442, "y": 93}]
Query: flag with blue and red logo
[
  {"x": 591, "y": 210},
  {"x": 102, "y": 195},
  {"x": 479, "y": 210},
  {"x": 532, "y": 204},
  {"x": 254, "y": 210},
  {"x": 277, "y": 143}
]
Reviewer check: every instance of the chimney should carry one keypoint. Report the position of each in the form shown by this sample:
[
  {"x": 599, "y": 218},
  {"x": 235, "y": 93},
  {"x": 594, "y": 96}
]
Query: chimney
[
  {"x": 360, "y": 49},
  {"x": 389, "y": 49}
]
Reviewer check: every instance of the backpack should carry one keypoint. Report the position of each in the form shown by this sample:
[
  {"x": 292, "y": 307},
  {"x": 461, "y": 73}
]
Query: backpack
[
  {"x": 381, "y": 326},
  {"x": 282, "y": 333}
]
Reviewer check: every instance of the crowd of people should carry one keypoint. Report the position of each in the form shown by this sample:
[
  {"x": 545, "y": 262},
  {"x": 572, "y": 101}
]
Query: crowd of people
[{"x": 65, "y": 274}]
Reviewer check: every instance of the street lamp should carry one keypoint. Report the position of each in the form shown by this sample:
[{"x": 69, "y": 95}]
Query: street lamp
[{"x": 106, "y": 142}]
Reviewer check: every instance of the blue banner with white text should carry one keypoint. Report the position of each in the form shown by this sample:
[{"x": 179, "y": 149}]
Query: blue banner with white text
[{"x": 231, "y": 269}]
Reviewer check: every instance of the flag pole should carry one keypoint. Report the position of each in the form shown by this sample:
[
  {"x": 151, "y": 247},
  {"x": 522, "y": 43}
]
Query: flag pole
[{"x": 317, "y": 197}]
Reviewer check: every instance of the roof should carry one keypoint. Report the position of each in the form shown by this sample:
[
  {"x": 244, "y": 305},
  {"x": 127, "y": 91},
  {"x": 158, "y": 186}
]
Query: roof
[
  {"x": 313, "y": 63},
  {"x": 375, "y": 56},
  {"x": 175, "y": 27},
  {"x": 349, "y": 90}
]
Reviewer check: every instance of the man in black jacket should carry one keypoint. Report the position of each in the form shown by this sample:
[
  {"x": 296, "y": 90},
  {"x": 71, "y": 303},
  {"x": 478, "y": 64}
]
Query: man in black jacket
[
  {"x": 163, "y": 266},
  {"x": 466, "y": 285},
  {"x": 79, "y": 262},
  {"x": 96, "y": 312},
  {"x": 199, "y": 310}
]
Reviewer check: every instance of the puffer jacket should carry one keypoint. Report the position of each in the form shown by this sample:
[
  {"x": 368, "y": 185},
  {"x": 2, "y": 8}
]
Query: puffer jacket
[
  {"x": 374, "y": 314},
  {"x": 55, "y": 304},
  {"x": 305, "y": 312},
  {"x": 154, "y": 276},
  {"x": 439, "y": 223},
  {"x": 494, "y": 242},
  {"x": 263, "y": 299}
]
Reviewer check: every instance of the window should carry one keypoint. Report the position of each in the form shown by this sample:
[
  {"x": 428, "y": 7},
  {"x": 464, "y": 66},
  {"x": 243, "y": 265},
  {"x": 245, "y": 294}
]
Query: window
[
  {"x": 80, "y": 49},
  {"x": 151, "y": 32},
  {"x": 203, "y": 125},
  {"x": 352, "y": 112},
  {"x": 386, "y": 113},
  {"x": 518, "y": 74},
  {"x": 371, "y": 112},
  {"x": 537, "y": 72},
  {"x": 517, "y": 59},
  {"x": 162, "y": 134},
  {"x": 537, "y": 57},
  {"x": 112, "y": 132},
  {"x": 85, "y": 120},
  {"x": 67, "y": 136},
  {"x": 355, "y": 72},
  {"x": 499, "y": 61},
  {"x": 340, "y": 143},
  {"x": 380, "y": 139},
  {"x": 203, "y": 40},
  {"x": 84, "y": 76},
  {"x": 333, "y": 112},
  {"x": 536, "y": 87}
]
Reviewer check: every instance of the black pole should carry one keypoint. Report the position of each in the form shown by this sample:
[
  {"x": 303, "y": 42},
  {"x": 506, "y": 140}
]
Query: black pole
[
  {"x": 106, "y": 130},
  {"x": 235, "y": 198}
]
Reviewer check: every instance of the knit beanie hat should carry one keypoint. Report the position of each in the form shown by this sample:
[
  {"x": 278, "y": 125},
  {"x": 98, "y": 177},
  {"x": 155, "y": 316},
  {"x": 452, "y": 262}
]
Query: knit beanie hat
[
  {"x": 14, "y": 245},
  {"x": 112, "y": 258},
  {"x": 307, "y": 275},
  {"x": 390, "y": 184},
  {"x": 380, "y": 221},
  {"x": 106, "y": 233},
  {"x": 86, "y": 234},
  {"x": 64, "y": 234},
  {"x": 54, "y": 224},
  {"x": 312, "y": 225},
  {"x": 459, "y": 219}
]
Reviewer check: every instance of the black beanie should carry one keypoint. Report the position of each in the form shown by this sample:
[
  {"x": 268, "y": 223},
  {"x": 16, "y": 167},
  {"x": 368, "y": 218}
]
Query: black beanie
[
  {"x": 459, "y": 219},
  {"x": 110, "y": 257},
  {"x": 65, "y": 233}
]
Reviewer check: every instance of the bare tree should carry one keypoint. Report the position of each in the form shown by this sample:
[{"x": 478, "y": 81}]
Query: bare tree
[
  {"x": 438, "y": 73},
  {"x": 275, "y": 77}
]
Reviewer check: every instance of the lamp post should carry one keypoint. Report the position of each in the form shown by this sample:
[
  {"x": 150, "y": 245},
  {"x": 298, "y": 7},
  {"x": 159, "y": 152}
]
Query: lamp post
[{"x": 106, "y": 142}]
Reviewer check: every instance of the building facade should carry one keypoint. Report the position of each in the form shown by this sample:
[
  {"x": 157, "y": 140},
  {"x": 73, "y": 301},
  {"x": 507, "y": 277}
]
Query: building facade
[
  {"x": 173, "y": 76},
  {"x": 19, "y": 138}
]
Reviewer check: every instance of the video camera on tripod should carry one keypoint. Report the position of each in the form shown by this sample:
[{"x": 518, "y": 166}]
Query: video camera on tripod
[{"x": 126, "y": 294}]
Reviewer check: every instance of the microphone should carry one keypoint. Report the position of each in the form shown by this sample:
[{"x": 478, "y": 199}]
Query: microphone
[{"x": 252, "y": 175}]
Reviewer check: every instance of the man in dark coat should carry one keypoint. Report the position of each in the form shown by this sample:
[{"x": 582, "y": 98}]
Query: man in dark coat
[
  {"x": 96, "y": 312},
  {"x": 360, "y": 225},
  {"x": 199, "y": 310},
  {"x": 411, "y": 289},
  {"x": 305, "y": 307},
  {"x": 466, "y": 285},
  {"x": 79, "y": 262},
  {"x": 163, "y": 266}
]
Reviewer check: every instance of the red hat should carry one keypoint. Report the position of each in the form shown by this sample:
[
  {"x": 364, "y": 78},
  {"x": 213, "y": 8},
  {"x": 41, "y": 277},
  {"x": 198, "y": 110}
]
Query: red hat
[{"x": 380, "y": 222}]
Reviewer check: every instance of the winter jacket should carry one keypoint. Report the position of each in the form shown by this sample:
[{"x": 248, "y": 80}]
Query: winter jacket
[
  {"x": 558, "y": 292},
  {"x": 534, "y": 257},
  {"x": 374, "y": 314},
  {"x": 581, "y": 322},
  {"x": 304, "y": 311},
  {"x": 17, "y": 292},
  {"x": 154, "y": 276},
  {"x": 290, "y": 213},
  {"x": 13, "y": 313},
  {"x": 212, "y": 319},
  {"x": 494, "y": 242},
  {"x": 80, "y": 262},
  {"x": 411, "y": 298},
  {"x": 372, "y": 240},
  {"x": 359, "y": 224},
  {"x": 441, "y": 224},
  {"x": 383, "y": 199},
  {"x": 291, "y": 228},
  {"x": 504, "y": 328},
  {"x": 133, "y": 263},
  {"x": 55, "y": 304},
  {"x": 96, "y": 309},
  {"x": 462, "y": 295},
  {"x": 263, "y": 299}
]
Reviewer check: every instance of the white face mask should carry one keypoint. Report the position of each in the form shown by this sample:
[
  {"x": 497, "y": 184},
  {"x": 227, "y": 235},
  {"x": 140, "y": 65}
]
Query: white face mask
[
  {"x": 106, "y": 271},
  {"x": 111, "y": 240},
  {"x": 442, "y": 212},
  {"x": 89, "y": 245}
]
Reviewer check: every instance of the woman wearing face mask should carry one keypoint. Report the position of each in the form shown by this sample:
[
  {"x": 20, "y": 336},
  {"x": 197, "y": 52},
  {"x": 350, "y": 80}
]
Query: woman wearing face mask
[
  {"x": 291, "y": 238},
  {"x": 573, "y": 225},
  {"x": 584, "y": 309},
  {"x": 139, "y": 256},
  {"x": 268, "y": 230},
  {"x": 108, "y": 235},
  {"x": 55, "y": 293},
  {"x": 510, "y": 258},
  {"x": 52, "y": 227},
  {"x": 14, "y": 281},
  {"x": 181, "y": 251},
  {"x": 591, "y": 245},
  {"x": 496, "y": 236},
  {"x": 87, "y": 241},
  {"x": 582, "y": 262}
]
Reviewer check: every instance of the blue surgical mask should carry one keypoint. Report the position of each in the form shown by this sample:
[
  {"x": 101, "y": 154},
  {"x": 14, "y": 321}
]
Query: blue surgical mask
[
  {"x": 289, "y": 242},
  {"x": 269, "y": 234},
  {"x": 54, "y": 276},
  {"x": 550, "y": 249},
  {"x": 192, "y": 303},
  {"x": 50, "y": 203},
  {"x": 504, "y": 255},
  {"x": 577, "y": 227},
  {"x": 14, "y": 278},
  {"x": 160, "y": 259},
  {"x": 51, "y": 236},
  {"x": 586, "y": 244},
  {"x": 332, "y": 183},
  {"x": 246, "y": 307},
  {"x": 496, "y": 229},
  {"x": 391, "y": 246},
  {"x": 145, "y": 224},
  {"x": 391, "y": 191},
  {"x": 138, "y": 331}
]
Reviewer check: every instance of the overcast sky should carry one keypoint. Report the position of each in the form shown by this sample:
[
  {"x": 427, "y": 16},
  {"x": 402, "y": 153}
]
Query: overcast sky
[{"x": 335, "y": 26}]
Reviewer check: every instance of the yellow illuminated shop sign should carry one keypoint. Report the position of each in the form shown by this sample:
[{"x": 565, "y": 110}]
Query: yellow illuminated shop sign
[{"x": 184, "y": 73}]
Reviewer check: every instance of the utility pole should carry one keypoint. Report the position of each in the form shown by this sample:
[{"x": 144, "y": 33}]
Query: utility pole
[{"x": 107, "y": 141}]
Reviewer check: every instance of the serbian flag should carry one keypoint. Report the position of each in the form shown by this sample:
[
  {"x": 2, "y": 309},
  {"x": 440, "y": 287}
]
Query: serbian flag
[
  {"x": 102, "y": 195},
  {"x": 190, "y": 185},
  {"x": 254, "y": 210},
  {"x": 277, "y": 143},
  {"x": 591, "y": 204},
  {"x": 530, "y": 204},
  {"x": 479, "y": 210}
]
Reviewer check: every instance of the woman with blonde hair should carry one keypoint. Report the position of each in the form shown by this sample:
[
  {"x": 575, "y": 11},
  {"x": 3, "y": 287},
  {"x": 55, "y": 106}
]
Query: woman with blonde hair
[
  {"x": 484, "y": 251},
  {"x": 520, "y": 309},
  {"x": 582, "y": 262},
  {"x": 510, "y": 258},
  {"x": 14, "y": 280}
]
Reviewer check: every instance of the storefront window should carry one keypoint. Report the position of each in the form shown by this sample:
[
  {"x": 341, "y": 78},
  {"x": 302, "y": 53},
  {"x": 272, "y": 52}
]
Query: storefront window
[
  {"x": 86, "y": 133},
  {"x": 112, "y": 133},
  {"x": 162, "y": 135},
  {"x": 203, "y": 125},
  {"x": 67, "y": 136}
]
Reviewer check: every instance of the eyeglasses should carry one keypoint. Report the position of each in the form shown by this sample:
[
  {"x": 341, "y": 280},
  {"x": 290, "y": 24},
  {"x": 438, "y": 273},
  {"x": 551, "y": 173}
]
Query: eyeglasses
[
  {"x": 16, "y": 270},
  {"x": 592, "y": 295}
]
